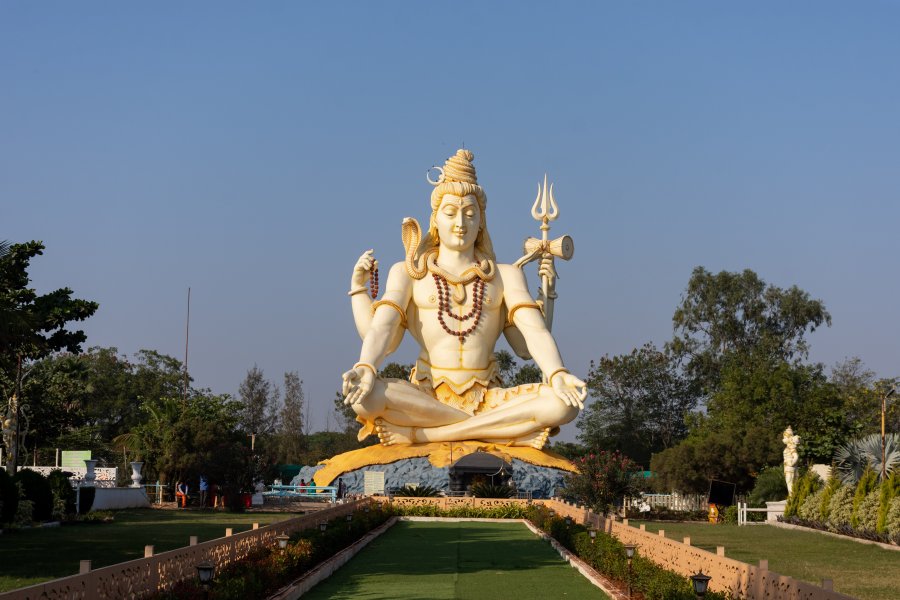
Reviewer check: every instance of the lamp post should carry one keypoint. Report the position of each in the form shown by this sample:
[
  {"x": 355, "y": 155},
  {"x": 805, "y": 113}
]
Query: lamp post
[
  {"x": 205, "y": 572},
  {"x": 282, "y": 541},
  {"x": 884, "y": 398},
  {"x": 349, "y": 518},
  {"x": 700, "y": 583},
  {"x": 593, "y": 534},
  {"x": 323, "y": 526},
  {"x": 629, "y": 554},
  {"x": 568, "y": 521}
]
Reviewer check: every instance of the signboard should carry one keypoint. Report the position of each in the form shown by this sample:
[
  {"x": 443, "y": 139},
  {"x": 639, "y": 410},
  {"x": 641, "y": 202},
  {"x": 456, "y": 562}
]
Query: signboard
[
  {"x": 74, "y": 458},
  {"x": 374, "y": 483}
]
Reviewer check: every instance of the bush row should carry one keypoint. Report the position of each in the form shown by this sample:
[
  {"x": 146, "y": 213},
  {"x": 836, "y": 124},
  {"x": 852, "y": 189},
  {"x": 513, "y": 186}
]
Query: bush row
[
  {"x": 606, "y": 554},
  {"x": 868, "y": 509},
  {"x": 267, "y": 569},
  {"x": 29, "y": 497}
]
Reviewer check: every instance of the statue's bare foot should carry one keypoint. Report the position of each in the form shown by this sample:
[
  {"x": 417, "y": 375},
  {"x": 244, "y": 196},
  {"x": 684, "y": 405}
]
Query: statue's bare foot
[
  {"x": 390, "y": 434},
  {"x": 537, "y": 441}
]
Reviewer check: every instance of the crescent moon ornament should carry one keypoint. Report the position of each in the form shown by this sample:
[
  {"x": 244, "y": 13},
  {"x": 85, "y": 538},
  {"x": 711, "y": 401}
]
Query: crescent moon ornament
[{"x": 440, "y": 178}]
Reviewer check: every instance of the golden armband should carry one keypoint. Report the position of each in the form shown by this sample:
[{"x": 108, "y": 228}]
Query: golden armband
[
  {"x": 393, "y": 305},
  {"x": 512, "y": 311}
]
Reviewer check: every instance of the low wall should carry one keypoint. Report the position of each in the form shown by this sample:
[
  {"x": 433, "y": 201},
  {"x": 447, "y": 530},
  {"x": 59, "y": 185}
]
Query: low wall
[
  {"x": 120, "y": 497},
  {"x": 728, "y": 575},
  {"x": 461, "y": 502},
  {"x": 143, "y": 576}
]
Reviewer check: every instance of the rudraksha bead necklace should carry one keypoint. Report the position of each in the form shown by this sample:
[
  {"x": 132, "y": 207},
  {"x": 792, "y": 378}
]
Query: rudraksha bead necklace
[
  {"x": 373, "y": 280},
  {"x": 444, "y": 307}
]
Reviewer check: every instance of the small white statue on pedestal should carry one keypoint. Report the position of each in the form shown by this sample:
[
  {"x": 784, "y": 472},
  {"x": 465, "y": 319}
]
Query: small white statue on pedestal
[{"x": 791, "y": 457}]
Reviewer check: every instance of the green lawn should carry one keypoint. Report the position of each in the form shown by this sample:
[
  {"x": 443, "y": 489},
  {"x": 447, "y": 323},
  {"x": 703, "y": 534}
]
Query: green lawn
[
  {"x": 861, "y": 570},
  {"x": 457, "y": 560},
  {"x": 34, "y": 555}
]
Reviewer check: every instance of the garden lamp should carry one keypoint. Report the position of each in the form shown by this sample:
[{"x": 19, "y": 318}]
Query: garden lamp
[
  {"x": 593, "y": 533},
  {"x": 205, "y": 573},
  {"x": 366, "y": 509},
  {"x": 349, "y": 517},
  {"x": 568, "y": 521},
  {"x": 323, "y": 526},
  {"x": 700, "y": 583},
  {"x": 629, "y": 554},
  {"x": 282, "y": 541}
]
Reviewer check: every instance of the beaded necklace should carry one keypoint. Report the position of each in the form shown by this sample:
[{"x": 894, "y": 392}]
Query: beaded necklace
[{"x": 444, "y": 307}]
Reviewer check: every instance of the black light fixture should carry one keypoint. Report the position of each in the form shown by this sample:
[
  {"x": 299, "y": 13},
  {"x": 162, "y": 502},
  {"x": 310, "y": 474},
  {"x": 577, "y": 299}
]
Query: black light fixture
[
  {"x": 282, "y": 541},
  {"x": 629, "y": 554},
  {"x": 568, "y": 521},
  {"x": 349, "y": 517},
  {"x": 323, "y": 526},
  {"x": 366, "y": 509},
  {"x": 205, "y": 572},
  {"x": 700, "y": 583},
  {"x": 593, "y": 533}
]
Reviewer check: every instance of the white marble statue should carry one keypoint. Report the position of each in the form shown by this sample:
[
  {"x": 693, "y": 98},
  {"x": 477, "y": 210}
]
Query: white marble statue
[
  {"x": 791, "y": 457},
  {"x": 455, "y": 301}
]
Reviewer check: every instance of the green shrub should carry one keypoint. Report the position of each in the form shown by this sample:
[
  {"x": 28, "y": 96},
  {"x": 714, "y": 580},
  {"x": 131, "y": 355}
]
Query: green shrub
[
  {"x": 808, "y": 484},
  {"x": 488, "y": 490},
  {"x": 866, "y": 484},
  {"x": 831, "y": 486},
  {"x": 37, "y": 489},
  {"x": 417, "y": 491},
  {"x": 809, "y": 510},
  {"x": 770, "y": 486},
  {"x": 63, "y": 494},
  {"x": 510, "y": 511},
  {"x": 9, "y": 497},
  {"x": 890, "y": 489},
  {"x": 729, "y": 516},
  {"x": 892, "y": 521},
  {"x": 24, "y": 516},
  {"x": 867, "y": 512},
  {"x": 841, "y": 509}
]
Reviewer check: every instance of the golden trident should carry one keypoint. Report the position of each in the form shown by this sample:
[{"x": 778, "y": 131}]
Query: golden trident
[{"x": 544, "y": 210}]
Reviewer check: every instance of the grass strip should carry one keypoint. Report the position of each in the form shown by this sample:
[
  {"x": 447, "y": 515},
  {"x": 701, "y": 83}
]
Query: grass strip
[
  {"x": 471, "y": 560},
  {"x": 34, "y": 555},
  {"x": 864, "y": 571}
]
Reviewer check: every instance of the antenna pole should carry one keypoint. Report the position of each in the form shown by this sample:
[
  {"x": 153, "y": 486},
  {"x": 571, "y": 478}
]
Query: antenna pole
[{"x": 187, "y": 335}]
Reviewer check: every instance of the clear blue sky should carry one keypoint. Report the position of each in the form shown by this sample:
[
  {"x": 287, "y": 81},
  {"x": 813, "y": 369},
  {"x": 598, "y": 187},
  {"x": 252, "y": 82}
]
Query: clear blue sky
[{"x": 253, "y": 150}]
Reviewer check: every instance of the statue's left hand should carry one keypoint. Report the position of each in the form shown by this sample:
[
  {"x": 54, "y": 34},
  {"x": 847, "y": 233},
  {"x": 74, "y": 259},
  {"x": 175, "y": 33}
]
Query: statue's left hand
[
  {"x": 568, "y": 388},
  {"x": 358, "y": 382}
]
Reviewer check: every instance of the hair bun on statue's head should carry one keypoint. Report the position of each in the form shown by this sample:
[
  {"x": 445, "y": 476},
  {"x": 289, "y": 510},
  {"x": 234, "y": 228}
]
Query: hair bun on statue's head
[{"x": 459, "y": 167}]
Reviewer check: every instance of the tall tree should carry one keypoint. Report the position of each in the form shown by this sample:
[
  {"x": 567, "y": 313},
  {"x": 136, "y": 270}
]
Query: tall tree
[
  {"x": 738, "y": 313},
  {"x": 32, "y": 326},
  {"x": 640, "y": 404},
  {"x": 260, "y": 399},
  {"x": 291, "y": 440}
]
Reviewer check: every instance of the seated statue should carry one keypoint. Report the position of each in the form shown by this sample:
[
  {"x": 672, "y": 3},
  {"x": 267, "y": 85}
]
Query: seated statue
[{"x": 455, "y": 301}]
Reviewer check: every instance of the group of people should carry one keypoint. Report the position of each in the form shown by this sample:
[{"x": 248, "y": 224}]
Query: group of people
[{"x": 182, "y": 493}]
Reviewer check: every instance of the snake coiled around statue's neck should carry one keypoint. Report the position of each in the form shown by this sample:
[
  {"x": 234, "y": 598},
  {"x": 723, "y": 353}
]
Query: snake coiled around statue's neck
[{"x": 426, "y": 261}]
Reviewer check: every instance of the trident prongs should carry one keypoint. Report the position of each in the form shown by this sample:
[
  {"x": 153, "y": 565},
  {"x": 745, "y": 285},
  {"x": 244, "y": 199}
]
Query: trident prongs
[{"x": 545, "y": 208}]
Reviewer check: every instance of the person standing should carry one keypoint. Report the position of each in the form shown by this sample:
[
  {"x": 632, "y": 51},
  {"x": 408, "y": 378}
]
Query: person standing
[{"x": 204, "y": 487}]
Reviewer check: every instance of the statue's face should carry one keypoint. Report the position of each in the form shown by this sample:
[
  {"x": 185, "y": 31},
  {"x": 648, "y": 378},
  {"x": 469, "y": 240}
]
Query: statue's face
[{"x": 458, "y": 221}]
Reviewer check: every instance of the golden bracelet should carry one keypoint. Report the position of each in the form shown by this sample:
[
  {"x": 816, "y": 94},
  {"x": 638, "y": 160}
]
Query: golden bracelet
[
  {"x": 360, "y": 290},
  {"x": 512, "y": 311},
  {"x": 555, "y": 373},
  {"x": 366, "y": 365},
  {"x": 393, "y": 305}
]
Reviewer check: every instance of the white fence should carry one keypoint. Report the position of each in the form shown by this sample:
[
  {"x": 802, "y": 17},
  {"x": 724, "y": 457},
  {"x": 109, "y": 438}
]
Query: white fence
[
  {"x": 669, "y": 501},
  {"x": 743, "y": 510},
  {"x": 105, "y": 476}
]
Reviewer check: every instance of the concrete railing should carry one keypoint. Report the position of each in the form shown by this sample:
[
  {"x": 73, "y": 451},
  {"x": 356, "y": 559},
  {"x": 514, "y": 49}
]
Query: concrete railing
[
  {"x": 464, "y": 502},
  {"x": 155, "y": 572},
  {"x": 730, "y": 576}
]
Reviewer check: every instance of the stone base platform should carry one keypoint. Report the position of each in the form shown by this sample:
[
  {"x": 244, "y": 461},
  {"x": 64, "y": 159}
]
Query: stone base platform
[{"x": 537, "y": 471}]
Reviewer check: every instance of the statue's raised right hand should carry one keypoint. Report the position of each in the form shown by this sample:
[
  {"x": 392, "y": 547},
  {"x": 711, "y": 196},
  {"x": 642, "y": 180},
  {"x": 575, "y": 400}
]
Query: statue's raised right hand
[
  {"x": 358, "y": 382},
  {"x": 363, "y": 266}
]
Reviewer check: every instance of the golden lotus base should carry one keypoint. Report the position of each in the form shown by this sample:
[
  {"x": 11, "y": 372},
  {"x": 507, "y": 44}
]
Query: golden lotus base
[{"x": 438, "y": 454}]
